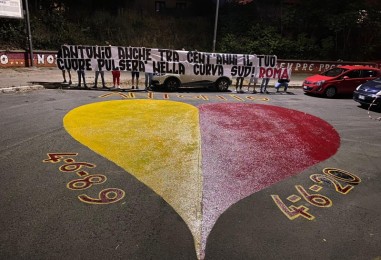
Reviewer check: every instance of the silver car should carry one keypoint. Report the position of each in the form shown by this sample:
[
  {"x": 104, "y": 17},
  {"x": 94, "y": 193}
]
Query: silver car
[{"x": 172, "y": 82}]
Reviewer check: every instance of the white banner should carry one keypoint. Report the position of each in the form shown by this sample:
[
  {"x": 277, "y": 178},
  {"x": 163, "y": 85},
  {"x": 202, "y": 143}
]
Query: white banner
[
  {"x": 11, "y": 8},
  {"x": 108, "y": 58}
]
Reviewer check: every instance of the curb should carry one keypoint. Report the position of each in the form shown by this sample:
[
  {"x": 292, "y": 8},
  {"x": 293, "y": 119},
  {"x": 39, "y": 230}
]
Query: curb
[{"x": 21, "y": 89}]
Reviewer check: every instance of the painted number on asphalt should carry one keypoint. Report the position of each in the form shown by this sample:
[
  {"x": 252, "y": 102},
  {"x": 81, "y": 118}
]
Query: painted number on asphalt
[
  {"x": 341, "y": 180},
  {"x": 86, "y": 180}
]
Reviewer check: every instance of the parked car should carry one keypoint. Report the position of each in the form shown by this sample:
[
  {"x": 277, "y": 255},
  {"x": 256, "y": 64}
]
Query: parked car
[
  {"x": 172, "y": 82},
  {"x": 366, "y": 93},
  {"x": 339, "y": 80}
]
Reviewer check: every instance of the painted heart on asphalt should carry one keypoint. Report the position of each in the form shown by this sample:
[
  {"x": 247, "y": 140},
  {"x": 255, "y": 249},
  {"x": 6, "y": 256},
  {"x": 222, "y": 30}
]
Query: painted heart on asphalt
[{"x": 203, "y": 160}]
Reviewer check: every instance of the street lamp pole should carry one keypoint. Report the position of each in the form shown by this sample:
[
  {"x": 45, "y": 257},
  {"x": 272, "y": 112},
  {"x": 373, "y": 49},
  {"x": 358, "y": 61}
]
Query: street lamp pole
[
  {"x": 29, "y": 34},
  {"x": 215, "y": 26}
]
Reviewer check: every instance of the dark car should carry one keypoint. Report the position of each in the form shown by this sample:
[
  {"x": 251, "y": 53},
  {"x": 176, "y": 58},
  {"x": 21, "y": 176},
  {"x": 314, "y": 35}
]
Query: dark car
[
  {"x": 339, "y": 80},
  {"x": 368, "y": 92}
]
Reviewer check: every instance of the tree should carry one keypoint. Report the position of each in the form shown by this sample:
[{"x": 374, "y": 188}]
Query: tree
[{"x": 308, "y": 29}]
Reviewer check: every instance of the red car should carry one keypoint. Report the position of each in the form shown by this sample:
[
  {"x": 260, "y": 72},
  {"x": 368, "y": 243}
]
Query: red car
[{"x": 339, "y": 80}]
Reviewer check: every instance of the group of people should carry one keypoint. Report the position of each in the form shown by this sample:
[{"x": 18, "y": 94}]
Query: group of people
[
  {"x": 148, "y": 81},
  {"x": 263, "y": 88},
  {"x": 115, "y": 79}
]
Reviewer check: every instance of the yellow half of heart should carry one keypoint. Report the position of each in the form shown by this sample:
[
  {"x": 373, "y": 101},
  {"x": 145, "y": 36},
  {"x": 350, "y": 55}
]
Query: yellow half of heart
[{"x": 157, "y": 141}]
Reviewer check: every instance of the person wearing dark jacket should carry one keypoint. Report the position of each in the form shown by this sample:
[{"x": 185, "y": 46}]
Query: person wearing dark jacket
[{"x": 282, "y": 83}]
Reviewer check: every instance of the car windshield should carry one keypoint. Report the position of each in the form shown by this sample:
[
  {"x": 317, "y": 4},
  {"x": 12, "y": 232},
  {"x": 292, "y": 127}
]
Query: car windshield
[{"x": 333, "y": 72}]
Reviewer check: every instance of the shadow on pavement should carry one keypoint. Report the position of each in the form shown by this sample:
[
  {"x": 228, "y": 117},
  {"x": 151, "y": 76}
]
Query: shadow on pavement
[
  {"x": 49, "y": 85},
  {"x": 338, "y": 96},
  {"x": 374, "y": 108},
  {"x": 60, "y": 85}
]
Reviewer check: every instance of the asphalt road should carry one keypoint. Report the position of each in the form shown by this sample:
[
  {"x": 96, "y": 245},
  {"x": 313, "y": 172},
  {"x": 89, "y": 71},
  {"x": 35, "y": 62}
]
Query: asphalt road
[{"x": 99, "y": 199}]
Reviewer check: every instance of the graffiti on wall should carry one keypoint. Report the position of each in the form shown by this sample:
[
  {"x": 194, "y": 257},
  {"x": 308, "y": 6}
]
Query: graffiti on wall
[
  {"x": 21, "y": 59},
  {"x": 315, "y": 67}
]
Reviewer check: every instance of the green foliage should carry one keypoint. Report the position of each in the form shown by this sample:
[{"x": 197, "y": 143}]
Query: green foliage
[
  {"x": 325, "y": 29},
  {"x": 10, "y": 31}
]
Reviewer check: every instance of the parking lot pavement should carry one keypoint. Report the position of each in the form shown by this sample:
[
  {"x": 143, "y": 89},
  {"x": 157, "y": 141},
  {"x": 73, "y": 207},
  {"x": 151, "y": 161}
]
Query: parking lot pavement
[
  {"x": 188, "y": 175},
  {"x": 25, "y": 79}
]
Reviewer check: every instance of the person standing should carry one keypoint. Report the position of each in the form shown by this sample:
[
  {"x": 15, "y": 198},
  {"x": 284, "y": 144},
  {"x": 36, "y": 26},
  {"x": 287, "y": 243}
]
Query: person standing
[
  {"x": 238, "y": 84},
  {"x": 59, "y": 55},
  {"x": 253, "y": 80},
  {"x": 81, "y": 75},
  {"x": 135, "y": 76},
  {"x": 102, "y": 73},
  {"x": 64, "y": 76},
  {"x": 115, "y": 78},
  {"x": 265, "y": 82},
  {"x": 148, "y": 80}
]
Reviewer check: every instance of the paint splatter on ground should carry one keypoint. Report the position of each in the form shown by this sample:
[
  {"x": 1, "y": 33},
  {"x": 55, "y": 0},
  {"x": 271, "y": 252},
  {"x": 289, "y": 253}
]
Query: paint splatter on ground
[
  {"x": 246, "y": 148},
  {"x": 203, "y": 160}
]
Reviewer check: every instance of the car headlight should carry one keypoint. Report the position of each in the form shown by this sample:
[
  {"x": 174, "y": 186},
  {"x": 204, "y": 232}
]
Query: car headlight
[
  {"x": 319, "y": 83},
  {"x": 359, "y": 87}
]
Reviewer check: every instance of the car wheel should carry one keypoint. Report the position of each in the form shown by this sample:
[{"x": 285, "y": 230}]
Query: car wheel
[
  {"x": 172, "y": 84},
  {"x": 222, "y": 84},
  {"x": 330, "y": 92}
]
